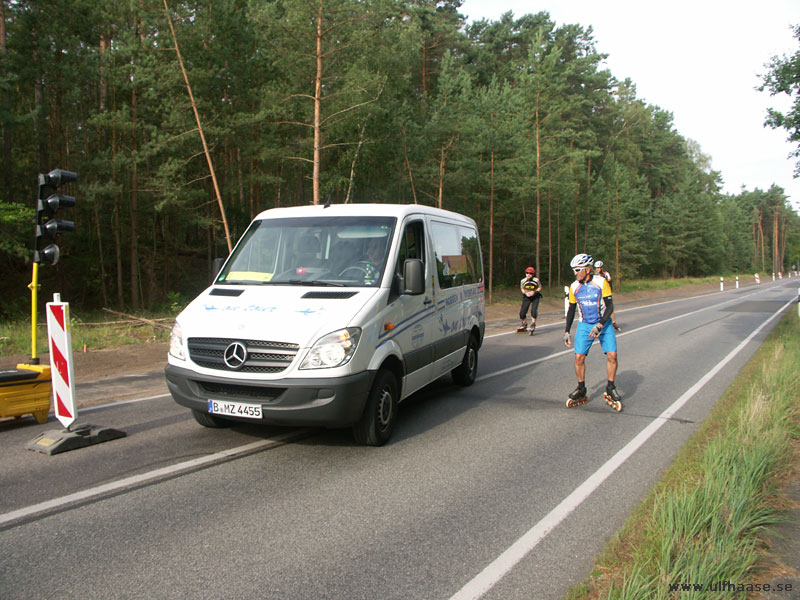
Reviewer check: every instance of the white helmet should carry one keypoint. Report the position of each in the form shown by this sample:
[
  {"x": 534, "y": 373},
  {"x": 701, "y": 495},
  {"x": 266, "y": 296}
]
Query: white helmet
[
  {"x": 581, "y": 260},
  {"x": 598, "y": 264}
]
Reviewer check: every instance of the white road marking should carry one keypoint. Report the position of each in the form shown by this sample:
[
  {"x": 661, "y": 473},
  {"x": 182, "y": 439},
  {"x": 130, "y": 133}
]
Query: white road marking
[
  {"x": 502, "y": 565},
  {"x": 99, "y": 490}
]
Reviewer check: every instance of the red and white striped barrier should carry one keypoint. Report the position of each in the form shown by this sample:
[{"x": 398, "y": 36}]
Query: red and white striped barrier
[
  {"x": 757, "y": 279},
  {"x": 62, "y": 368}
]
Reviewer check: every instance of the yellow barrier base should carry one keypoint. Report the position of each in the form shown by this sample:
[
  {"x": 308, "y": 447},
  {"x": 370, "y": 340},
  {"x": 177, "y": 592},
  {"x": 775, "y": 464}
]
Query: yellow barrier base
[{"x": 26, "y": 390}]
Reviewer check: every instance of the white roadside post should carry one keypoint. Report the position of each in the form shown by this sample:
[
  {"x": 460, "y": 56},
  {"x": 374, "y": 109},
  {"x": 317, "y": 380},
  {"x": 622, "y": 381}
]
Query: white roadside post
[
  {"x": 721, "y": 285},
  {"x": 62, "y": 368},
  {"x": 737, "y": 282},
  {"x": 566, "y": 301},
  {"x": 63, "y": 375}
]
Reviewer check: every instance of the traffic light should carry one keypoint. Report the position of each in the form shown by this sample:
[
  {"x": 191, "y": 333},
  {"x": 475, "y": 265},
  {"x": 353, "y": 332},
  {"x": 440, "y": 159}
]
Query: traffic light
[{"x": 47, "y": 226}]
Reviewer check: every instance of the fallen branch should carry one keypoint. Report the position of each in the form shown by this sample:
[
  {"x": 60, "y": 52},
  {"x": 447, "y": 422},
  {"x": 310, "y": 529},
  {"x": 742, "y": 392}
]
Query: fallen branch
[
  {"x": 126, "y": 322},
  {"x": 153, "y": 322}
]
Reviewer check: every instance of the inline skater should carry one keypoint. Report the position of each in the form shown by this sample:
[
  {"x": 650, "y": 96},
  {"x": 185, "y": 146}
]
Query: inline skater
[
  {"x": 599, "y": 268},
  {"x": 590, "y": 295},
  {"x": 530, "y": 286}
]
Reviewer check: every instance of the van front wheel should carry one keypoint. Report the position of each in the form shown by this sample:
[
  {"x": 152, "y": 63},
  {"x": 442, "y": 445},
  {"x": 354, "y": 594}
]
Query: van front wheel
[
  {"x": 464, "y": 374},
  {"x": 374, "y": 428}
]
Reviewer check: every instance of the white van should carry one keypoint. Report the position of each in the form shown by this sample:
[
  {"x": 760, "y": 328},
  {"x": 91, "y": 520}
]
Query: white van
[{"x": 330, "y": 316}]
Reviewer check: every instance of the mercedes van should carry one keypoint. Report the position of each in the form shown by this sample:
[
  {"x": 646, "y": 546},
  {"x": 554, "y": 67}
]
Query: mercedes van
[{"x": 331, "y": 316}]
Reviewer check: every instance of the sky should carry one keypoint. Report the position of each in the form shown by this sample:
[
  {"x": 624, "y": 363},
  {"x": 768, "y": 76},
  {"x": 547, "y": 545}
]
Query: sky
[{"x": 699, "y": 60}]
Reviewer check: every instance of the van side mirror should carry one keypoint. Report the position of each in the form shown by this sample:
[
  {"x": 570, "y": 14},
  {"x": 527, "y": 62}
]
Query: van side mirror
[
  {"x": 216, "y": 267},
  {"x": 413, "y": 277}
]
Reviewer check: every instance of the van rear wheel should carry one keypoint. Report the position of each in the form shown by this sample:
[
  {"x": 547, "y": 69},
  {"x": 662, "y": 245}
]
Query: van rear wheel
[
  {"x": 464, "y": 374},
  {"x": 208, "y": 420},
  {"x": 375, "y": 426}
]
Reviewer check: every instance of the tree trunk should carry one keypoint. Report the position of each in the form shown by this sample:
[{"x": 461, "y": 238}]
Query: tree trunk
[
  {"x": 445, "y": 150},
  {"x": 616, "y": 239},
  {"x": 538, "y": 180},
  {"x": 6, "y": 167},
  {"x": 133, "y": 229},
  {"x": 776, "y": 266},
  {"x": 317, "y": 110},
  {"x": 549, "y": 241},
  {"x": 491, "y": 226}
]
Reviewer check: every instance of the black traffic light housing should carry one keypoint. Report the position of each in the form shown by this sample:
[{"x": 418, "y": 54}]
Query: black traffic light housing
[{"x": 47, "y": 226}]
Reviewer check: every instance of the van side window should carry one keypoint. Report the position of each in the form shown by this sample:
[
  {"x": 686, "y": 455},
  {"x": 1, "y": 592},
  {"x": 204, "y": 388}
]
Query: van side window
[
  {"x": 458, "y": 254},
  {"x": 412, "y": 245}
]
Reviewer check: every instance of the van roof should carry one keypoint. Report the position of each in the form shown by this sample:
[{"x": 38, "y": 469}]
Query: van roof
[{"x": 373, "y": 210}]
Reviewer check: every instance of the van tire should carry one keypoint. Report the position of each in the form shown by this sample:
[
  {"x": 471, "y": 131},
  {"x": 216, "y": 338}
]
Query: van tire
[
  {"x": 375, "y": 426},
  {"x": 208, "y": 420},
  {"x": 464, "y": 374}
]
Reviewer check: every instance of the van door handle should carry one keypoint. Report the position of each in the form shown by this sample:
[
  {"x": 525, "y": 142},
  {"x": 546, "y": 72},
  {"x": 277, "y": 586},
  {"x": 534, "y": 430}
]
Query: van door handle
[{"x": 427, "y": 301}]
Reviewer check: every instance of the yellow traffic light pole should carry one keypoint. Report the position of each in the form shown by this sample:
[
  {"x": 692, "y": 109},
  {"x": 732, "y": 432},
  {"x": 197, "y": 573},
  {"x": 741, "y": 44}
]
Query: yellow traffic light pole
[{"x": 34, "y": 287}]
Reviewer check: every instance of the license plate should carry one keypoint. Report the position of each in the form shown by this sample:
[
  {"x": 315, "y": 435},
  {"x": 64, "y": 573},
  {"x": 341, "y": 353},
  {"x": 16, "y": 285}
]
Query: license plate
[{"x": 234, "y": 409}]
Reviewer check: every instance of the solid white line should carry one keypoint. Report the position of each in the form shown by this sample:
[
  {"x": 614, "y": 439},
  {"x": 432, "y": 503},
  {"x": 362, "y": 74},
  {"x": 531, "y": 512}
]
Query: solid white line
[
  {"x": 145, "y": 477},
  {"x": 83, "y": 409},
  {"x": 497, "y": 569}
]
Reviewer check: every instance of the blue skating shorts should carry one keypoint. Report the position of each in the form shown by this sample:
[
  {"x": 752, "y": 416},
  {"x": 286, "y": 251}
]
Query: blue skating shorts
[{"x": 608, "y": 339}]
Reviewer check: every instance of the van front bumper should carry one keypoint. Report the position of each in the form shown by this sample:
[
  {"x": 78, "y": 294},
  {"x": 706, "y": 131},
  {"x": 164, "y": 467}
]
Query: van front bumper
[{"x": 325, "y": 402}]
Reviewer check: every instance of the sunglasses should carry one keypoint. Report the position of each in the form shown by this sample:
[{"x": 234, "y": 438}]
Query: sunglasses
[{"x": 576, "y": 271}]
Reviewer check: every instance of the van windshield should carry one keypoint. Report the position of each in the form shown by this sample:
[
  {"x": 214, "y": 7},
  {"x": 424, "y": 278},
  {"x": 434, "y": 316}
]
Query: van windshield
[{"x": 323, "y": 251}]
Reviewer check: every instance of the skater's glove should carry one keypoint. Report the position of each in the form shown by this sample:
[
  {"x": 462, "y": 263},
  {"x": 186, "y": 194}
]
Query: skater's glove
[
  {"x": 596, "y": 330},
  {"x": 566, "y": 339}
]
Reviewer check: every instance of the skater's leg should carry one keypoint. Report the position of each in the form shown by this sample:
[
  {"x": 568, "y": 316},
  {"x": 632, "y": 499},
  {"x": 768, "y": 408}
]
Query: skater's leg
[
  {"x": 580, "y": 367},
  {"x": 611, "y": 365},
  {"x": 534, "y": 310},
  {"x": 523, "y": 309}
]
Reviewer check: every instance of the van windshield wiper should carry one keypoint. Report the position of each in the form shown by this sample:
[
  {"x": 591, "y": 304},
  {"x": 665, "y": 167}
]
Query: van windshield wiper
[{"x": 308, "y": 283}]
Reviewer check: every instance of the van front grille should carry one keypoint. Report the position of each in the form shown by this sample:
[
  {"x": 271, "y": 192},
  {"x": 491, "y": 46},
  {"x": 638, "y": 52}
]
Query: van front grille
[{"x": 261, "y": 356}]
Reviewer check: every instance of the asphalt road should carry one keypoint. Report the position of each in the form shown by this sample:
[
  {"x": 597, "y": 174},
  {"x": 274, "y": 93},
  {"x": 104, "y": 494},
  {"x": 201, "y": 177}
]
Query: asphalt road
[{"x": 494, "y": 491}]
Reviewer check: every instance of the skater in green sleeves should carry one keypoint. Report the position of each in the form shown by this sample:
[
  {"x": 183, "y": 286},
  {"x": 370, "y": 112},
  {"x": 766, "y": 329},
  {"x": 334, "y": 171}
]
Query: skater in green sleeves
[{"x": 531, "y": 287}]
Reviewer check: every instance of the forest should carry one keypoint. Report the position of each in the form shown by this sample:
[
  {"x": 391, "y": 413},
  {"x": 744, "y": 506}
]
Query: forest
[{"x": 184, "y": 119}]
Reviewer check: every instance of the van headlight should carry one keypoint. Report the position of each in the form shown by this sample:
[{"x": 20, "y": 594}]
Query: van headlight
[
  {"x": 332, "y": 350},
  {"x": 176, "y": 343}
]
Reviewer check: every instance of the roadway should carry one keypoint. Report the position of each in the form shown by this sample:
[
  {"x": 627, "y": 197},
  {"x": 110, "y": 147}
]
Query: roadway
[{"x": 494, "y": 491}]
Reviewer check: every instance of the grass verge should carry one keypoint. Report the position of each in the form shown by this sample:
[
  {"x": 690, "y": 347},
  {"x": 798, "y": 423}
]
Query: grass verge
[
  {"x": 703, "y": 523},
  {"x": 97, "y": 331}
]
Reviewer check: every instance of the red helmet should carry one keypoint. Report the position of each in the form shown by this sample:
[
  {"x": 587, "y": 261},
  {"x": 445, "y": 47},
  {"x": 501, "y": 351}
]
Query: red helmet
[{"x": 530, "y": 270}]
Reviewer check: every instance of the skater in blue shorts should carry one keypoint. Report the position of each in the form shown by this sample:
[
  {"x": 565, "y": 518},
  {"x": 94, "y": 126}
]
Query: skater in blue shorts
[{"x": 590, "y": 297}]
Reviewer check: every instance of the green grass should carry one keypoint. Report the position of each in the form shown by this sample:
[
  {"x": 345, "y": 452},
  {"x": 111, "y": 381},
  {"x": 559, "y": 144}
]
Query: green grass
[
  {"x": 93, "y": 332},
  {"x": 704, "y": 521}
]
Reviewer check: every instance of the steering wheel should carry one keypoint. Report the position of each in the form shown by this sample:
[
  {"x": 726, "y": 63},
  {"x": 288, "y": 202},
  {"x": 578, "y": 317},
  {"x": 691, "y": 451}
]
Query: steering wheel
[{"x": 354, "y": 268}]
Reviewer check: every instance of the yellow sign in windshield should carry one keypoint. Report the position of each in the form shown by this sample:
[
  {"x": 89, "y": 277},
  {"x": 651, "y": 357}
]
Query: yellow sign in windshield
[{"x": 248, "y": 276}]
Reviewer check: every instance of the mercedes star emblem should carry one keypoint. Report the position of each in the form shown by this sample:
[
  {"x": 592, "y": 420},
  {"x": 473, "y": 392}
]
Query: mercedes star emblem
[{"x": 235, "y": 355}]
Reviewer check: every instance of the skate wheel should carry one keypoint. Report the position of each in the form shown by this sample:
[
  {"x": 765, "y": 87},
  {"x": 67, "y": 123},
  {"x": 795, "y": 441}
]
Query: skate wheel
[{"x": 615, "y": 404}]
